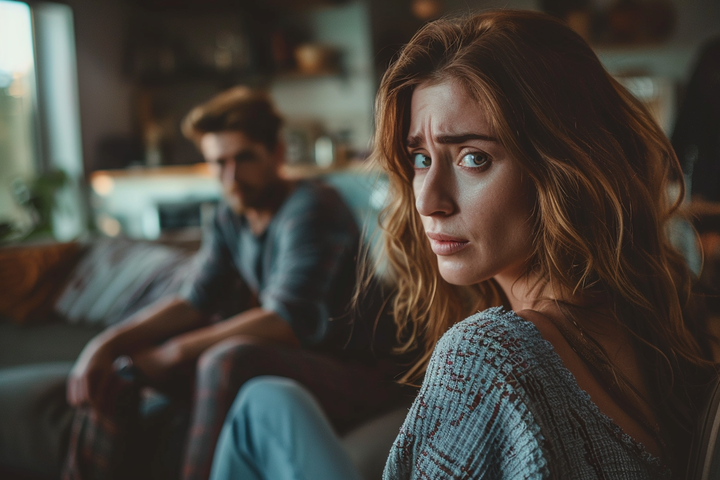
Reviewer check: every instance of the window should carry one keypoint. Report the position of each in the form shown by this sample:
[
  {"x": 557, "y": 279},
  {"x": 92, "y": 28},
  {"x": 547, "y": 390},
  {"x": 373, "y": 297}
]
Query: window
[
  {"x": 18, "y": 145},
  {"x": 41, "y": 163}
]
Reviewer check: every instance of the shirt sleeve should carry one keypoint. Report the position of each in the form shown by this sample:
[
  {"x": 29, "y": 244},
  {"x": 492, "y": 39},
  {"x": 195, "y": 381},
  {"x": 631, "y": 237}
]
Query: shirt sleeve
[
  {"x": 314, "y": 269},
  {"x": 215, "y": 271},
  {"x": 469, "y": 420}
]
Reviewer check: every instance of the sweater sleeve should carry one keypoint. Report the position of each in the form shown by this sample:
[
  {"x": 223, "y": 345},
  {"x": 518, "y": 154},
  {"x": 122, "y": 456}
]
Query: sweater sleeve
[{"x": 469, "y": 419}]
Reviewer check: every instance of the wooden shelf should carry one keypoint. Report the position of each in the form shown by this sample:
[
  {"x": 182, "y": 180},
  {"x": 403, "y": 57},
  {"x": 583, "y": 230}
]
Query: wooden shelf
[
  {"x": 296, "y": 171},
  {"x": 197, "y": 169},
  {"x": 701, "y": 208},
  {"x": 298, "y": 75}
]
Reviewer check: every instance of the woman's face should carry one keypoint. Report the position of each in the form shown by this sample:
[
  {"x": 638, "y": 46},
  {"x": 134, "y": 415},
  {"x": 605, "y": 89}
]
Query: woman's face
[{"x": 475, "y": 204}]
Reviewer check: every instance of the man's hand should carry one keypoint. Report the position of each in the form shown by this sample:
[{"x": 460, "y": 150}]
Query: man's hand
[
  {"x": 92, "y": 380},
  {"x": 158, "y": 364}
]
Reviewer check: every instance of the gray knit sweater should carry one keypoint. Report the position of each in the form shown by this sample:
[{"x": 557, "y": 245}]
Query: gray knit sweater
[{"x": 498, "y": 403}]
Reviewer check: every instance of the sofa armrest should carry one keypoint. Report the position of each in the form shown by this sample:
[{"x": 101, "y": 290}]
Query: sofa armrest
[{"x": 31, "y": 277}]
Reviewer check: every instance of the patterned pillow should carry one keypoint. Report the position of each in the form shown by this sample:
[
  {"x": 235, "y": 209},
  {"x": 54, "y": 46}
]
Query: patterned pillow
[{"x": 118, "y": 277}]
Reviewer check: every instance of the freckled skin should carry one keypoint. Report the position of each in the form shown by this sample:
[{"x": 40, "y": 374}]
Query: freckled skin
[{"x": 468, "y": 187}]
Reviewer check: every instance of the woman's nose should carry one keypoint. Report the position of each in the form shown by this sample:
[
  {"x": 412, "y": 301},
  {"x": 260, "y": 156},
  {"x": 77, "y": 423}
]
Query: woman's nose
[{"x": 434, "y": 192}]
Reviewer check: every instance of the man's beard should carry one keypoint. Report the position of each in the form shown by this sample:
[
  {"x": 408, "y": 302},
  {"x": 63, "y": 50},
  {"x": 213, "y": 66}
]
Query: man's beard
[
  {"x": 240, "y": 199},
  {"x": 235, "y": 203}
]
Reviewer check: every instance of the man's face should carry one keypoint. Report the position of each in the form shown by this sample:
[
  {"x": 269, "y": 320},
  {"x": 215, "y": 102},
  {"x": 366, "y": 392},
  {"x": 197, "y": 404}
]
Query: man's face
[{"x": 245, "y": 168}]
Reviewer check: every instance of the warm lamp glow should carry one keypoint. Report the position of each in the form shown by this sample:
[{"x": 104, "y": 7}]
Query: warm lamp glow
[
  {"x": 103, "y": 185},
  {"x": 108, "y": 225},
  {"x": 427, "y": 9}
]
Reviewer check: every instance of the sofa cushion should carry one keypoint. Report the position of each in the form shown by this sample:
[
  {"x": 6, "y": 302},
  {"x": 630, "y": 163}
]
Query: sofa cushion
[
  {"x": 49, "y": 342},
  {"x": 34, "y": 418}
]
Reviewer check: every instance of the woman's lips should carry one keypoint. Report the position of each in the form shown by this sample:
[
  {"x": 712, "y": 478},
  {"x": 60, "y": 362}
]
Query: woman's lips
[{"x": 445, "y": 244}]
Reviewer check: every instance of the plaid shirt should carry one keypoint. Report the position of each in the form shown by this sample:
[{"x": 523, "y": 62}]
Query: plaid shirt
[{"x": 302, "y": 267}]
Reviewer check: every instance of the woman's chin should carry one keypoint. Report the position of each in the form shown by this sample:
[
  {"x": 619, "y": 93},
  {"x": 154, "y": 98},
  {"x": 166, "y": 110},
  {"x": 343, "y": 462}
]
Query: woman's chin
[{"x": 456, "y": 274}]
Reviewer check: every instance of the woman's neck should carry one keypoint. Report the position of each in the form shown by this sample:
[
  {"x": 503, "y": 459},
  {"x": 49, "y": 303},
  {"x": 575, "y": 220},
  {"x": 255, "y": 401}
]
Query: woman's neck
[
  {"x": 524, "y": 292},
  {"x": 533, "y": 292}
]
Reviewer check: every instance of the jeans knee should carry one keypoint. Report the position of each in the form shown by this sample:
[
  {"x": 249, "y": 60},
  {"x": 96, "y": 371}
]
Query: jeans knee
[{"x": 269, "y": 396}]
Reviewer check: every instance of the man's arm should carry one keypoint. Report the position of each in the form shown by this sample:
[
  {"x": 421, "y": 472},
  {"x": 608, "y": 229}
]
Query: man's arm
[
  {"x": 92, "y": 377},
  {"x": 157, "y": 363}
]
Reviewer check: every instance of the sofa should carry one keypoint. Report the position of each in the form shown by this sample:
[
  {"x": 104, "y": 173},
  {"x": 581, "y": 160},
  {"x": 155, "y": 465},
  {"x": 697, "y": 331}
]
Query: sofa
[{"x": 57, "y": 296}]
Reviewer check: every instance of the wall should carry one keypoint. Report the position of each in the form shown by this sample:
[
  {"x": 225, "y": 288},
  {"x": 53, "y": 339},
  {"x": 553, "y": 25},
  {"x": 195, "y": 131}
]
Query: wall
[
  {"x": 697, "y": 21},
  {"x": 338, "y": 102},
  {"x": 104, "y": 92},
  {"x": 663, "y": 68},
  {"x": 58, "y": 113}
]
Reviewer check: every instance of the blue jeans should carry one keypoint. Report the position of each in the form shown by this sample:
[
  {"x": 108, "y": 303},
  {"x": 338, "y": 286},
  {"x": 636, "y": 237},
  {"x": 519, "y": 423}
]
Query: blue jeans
[{"x": 276, "y": 430}]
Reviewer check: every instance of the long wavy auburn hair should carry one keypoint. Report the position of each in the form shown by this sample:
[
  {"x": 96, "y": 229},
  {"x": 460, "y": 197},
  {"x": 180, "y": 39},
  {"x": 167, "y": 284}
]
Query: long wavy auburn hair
[{"x": 601, "y": 168}]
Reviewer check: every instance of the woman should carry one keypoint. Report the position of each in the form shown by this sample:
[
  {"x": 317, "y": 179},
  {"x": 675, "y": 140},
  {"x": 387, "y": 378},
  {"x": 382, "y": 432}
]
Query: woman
[
  {"x": 528, "y": 184},
  {"x": 539, "y": 184}
]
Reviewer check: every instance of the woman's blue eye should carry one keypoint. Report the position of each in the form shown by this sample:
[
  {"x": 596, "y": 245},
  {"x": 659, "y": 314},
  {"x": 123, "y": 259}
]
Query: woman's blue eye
[
  {"x": 474, "y": 160},
  {"x": 421, "y": 161}
]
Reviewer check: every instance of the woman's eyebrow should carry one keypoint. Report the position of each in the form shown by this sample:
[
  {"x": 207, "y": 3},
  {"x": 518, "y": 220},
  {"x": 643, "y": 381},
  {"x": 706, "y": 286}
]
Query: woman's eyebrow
[
  {"x": 416, "y": 141},
  {"x": 464, "y": 137}
]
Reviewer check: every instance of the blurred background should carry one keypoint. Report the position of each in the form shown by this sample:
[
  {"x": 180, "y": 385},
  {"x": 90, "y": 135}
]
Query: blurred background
[{"x": 92, "y": 93}]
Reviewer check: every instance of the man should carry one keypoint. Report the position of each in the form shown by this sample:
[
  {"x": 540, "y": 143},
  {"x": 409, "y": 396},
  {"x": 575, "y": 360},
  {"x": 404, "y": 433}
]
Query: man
[{"x": 294, "y": 245}]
